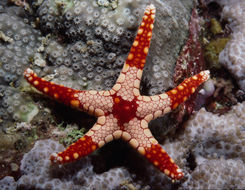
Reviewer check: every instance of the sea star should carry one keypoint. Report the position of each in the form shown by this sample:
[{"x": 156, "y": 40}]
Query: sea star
[{"x": 122, "y": 112}]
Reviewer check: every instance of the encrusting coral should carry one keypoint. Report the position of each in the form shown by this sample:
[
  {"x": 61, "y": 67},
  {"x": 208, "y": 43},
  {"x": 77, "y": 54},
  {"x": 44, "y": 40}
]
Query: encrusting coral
[
  {"x": 85, "y": 46},
  {"x": 233, "y": 57},
  {"x": 211, "y": 139},
  {"x": 209, "y": 147},
  {"x": 37, "y": 172},
  {"x": 215, "y": 142},
  {"x": 97, "y": 40}
]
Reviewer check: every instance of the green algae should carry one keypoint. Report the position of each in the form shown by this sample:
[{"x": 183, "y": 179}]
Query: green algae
[
  {"x": 72, "y": 136},
  {"x": 215, "y": 27},
  {"x": 213, "y": 49},
  {"x": 27, "y": 112}
]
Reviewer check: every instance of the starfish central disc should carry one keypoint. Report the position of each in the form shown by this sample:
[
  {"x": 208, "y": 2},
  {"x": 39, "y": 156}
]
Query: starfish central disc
[{"x": 124, "y": 110}]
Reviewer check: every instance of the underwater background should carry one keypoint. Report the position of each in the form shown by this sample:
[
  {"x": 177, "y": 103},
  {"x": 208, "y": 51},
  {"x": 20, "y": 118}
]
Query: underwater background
[{"x": 83, "y": 44}]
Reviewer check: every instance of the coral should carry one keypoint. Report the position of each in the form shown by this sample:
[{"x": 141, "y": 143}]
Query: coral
[
  {"x": 16, "y": 106},
  {"x": 209, "y": 139},
  {"x": 232, "y": 57},
  {"x": 96, "y": 63},
  {"x": 8, "y": 183},
  {"x": 95, "y": 39},
  {"x": 14, "y": 55},
  {"x": 205, "y": 127},
  {"x": 217, "y": 174},
  {"x": 20, "y": 42},
  {"x": 21, "y": 3},
  {"x": 37, "y": 172},
  {"x": 215, "y": 143}
]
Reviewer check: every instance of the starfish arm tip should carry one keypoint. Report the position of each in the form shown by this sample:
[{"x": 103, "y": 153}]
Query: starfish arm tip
[
  {"x": 205, "y": 74},
  {"x": 54, "y": 158},
  {"x": 28, "y": 71},
  {"x": 140, "y": 48},
  {"x": 179, "y": 174},
  {"x": 183, "y": 91},
  {"x": 63, "y": 94},
  {"x": 75, "y": 151},
  {"x": 160, "y": 159},
  {"x": 151, "y": 6}
]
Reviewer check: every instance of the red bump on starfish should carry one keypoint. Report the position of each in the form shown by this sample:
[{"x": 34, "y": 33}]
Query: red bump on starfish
[{"x": 122, "y": 112}]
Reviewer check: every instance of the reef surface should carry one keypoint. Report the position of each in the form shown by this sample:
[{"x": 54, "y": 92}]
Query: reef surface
[{"x": 83, "y": 44}]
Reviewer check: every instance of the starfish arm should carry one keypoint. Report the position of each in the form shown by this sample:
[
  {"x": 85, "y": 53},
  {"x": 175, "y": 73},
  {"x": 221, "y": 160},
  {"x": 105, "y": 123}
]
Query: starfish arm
[
  {"x": 79, "y": 149},
  {"x": 129, "y": 78},
  {"x": 151, "y": 107},
  {"x": 160, "y": 159},
  {"x": 139, "y": 137},
  {"x": 183, "y": 91},
  {"x": 104, "y": 131},
  {"x": 91, "y": 101}
]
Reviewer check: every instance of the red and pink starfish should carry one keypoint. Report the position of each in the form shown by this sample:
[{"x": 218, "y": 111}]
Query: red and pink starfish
[{"x": 122, "y": 112}]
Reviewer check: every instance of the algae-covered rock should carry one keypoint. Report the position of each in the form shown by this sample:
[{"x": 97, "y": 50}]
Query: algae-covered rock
[
  {"x": 213, "y": 49},
  {"x": 215, "y": 27}
]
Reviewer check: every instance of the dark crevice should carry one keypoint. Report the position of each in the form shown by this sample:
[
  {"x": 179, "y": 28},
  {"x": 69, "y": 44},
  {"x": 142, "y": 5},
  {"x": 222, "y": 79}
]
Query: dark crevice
[{"x": 191, "y": 162}]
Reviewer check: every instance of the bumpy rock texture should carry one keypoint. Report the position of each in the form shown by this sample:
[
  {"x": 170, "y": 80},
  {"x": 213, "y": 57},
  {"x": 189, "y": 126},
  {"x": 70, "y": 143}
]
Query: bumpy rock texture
[
  {"x": 16, "y": 48},
  {"x": 39, "y": 174},
  {"x": 217, "y": 174},
  {"x": 213, "y": 140},
  {"x": 214, "y": 143},
  {"x": 97, "y": 40},
  {"x": 233, "y": 56},
  {"x": 8, "y": 183},
  {"x": 83, "y": 45}
]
